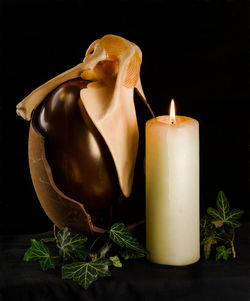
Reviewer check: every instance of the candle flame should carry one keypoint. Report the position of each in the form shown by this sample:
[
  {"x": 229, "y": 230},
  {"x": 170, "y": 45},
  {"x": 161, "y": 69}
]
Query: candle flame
[{"x": 172, "y": 112}]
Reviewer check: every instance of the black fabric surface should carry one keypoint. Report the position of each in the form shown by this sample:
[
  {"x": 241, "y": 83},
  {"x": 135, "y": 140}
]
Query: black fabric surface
[{"x": 137, "y": 280}]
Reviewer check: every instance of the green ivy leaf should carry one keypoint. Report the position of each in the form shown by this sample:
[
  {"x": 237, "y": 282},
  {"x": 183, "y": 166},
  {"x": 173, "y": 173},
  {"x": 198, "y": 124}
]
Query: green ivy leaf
[
  {"x": 222, "y": 205},
  {"x": 218, "y": 227},
  {"x": 39, "y": 251},
  {"x": 205, "y": 222},
  {"x": 85, "y": 273},
  {"x": 122, "y": 236},
  {"x": 214, "y": 213},
  {"x": 130, "y": 254},
  {"x": 232, "y": 216},
  {"x": 116, "y": 261},
  {"x": 222, "y": 252},
  {"x": 71, "y": 246},
  {"x": 224, "y": 215},
  {"x": 220, "y": 232}
]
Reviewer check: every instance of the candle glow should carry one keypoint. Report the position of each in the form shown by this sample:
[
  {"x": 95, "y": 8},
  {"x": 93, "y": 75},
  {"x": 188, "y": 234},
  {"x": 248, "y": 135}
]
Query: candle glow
[{"x": 172, "y": 112}]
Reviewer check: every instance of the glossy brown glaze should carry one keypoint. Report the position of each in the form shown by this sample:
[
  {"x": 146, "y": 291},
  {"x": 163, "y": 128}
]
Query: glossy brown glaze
[
  {"x": 62, "y": 210},
  {"x": 71, "y": 164},
  {"x": 81, "y": 164}
]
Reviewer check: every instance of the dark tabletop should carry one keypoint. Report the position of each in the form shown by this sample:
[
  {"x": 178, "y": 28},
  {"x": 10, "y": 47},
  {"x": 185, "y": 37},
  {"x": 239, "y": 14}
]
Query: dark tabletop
[{"x": 137, "y": 280}]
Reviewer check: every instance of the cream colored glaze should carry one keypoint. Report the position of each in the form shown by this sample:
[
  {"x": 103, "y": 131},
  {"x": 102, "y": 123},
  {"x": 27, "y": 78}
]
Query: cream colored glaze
[
  {"x": 172, "y": 190},
  {"x": 113, "y": 63}
]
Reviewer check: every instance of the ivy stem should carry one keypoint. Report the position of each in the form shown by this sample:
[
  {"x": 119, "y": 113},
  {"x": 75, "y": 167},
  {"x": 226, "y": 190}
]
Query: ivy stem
[
  {"x": 48, "y": 239},
  {"x": 217, "y": 237},
  {"x": 94, "y": 242},
  {"x": 232, "y": 244},
  {"x": 54, "y": 230}
]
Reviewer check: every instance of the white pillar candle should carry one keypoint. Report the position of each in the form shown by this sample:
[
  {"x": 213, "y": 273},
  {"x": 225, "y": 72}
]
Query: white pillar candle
[{"x": 172, "y": 190}]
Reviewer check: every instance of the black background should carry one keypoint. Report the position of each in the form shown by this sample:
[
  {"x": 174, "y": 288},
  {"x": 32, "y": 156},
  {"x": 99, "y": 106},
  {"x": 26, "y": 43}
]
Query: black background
[{"x": 194, "y": 51}]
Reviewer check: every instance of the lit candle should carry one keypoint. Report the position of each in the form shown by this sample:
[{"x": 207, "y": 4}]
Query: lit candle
[{"x": 172, "y": 189}]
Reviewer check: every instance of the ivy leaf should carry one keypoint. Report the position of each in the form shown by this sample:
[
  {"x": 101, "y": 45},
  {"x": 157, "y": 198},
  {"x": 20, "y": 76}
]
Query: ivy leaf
[
  {"x": 39, "y": 251},
  {"x": 85, "y": 273},
  {"x": 222, "y": 204},
  {"x": 104, "y": 250},
  {"x": 122, "y": 236},
  {"x": 116, "y": 261},
  {"x": 218, "y": 227},
  {"x": 205, "y": 222},
  {"x": 224, "y": 215},
  {"x": 222, "y": 252},
  {"x": 130, "y": 254},
  {"x": 207, "y": 243},
  {"x": 220, "y": 232},
  {"x": 71, "y": 245},
  {"x": 233, "y": 215},
  {"x": 214, "y": 213}
]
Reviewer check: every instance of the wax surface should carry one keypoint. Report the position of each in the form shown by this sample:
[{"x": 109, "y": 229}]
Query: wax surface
[{"x": 172, "y": 190}]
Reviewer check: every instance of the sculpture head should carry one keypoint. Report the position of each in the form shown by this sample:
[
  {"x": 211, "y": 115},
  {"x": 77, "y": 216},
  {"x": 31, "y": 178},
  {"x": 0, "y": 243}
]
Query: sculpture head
[
  {"x": 108, "y": 56},
  {"x": 103, "y": 60}
]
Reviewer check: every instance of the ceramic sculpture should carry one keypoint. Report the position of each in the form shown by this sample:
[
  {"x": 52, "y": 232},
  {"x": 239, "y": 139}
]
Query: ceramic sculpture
[{"x": 84, "y": 137}]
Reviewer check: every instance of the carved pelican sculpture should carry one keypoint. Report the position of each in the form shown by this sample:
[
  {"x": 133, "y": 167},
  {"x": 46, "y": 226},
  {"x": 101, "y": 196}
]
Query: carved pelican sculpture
[{"x": 84, "y": 136}]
